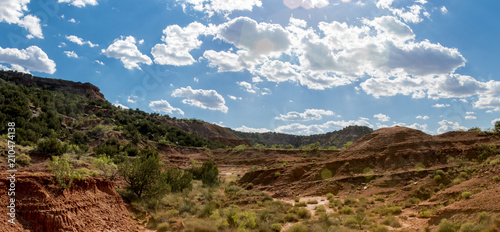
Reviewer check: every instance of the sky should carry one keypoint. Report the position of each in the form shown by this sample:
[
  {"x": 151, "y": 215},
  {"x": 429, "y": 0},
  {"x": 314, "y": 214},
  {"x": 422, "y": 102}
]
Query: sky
[{"x": 291, "y": 66}]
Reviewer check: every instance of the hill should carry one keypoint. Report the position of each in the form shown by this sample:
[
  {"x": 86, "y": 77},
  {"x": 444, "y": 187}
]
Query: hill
[{"x": 335, "y": 138}]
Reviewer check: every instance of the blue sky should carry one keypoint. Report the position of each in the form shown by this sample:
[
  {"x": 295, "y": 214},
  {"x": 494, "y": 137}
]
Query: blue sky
[{"x": 292, "y": 66}]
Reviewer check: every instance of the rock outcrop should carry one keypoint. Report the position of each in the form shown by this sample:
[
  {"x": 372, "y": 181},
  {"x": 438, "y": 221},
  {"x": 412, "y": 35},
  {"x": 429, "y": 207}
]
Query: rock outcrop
[{"x": 89, "y": 205}]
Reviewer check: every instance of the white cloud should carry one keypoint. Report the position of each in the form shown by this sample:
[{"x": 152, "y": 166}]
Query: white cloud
[
  {"x": 32, "y": 59},
  {"x": 278, "y": 71},
  {"x": 247, "y": 86},
  {"x": 80, "y": 41},
  {"x": 164, "y": 106},
  {"x": 99, "y": 62},
  {"x": 132, "y": 99},
  {"x": 297, "y": 128},
  {"x": 448, "y": 126},
  {"x": 79, "y": 3},
  {"x": 439, "y": 105},
  {"x": 71, "y": 54},
  {"x": 422, "y": 117},
  {"x": 470, "y": 112},
  {"x": 256, "y": 79},
  {"x": 252, "y": 130},
  {"x": 308, "y": 115},
  {"x": 257, "y": 39},
  {"x": 205, "y": 99},
  {"x": 444, "y": 10},
  {"x": 178, "y": 43},
  {"x": 126, "y": 50},
  {"x": 210, "y": 7},
  {"x": 224, "y": 61},
  {"x": 234, "y": 98},
  {"x": 412, "y": 13},
  {"x": 117, "y": 104},
  {"x": 382, "y": 117},
  {"x": 72, "y": 20},
  {"x": 469, "y": 117},
  {"x": 13, "y": 12}
]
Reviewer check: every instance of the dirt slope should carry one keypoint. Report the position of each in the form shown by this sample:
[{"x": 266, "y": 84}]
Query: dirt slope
[
  {"x": 90, "y": 205},
  {"x": 396, "y": 154}
]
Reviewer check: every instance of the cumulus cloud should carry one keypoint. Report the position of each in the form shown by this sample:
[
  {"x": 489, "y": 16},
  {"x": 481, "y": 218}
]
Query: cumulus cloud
[
  {"x": 224, "y": 61},
  {"x": 297, "y": 128},
  {"x": 252, "y": 130},
  {"x": 439, "y": 105},
  {"x": 126, "y": 50},
  {"x": 178, "y": 42},
  {"x": 424, "y": 117},
  {"x": 248, "y": 87},
  {"x": 117, "y": 104},
  {"x": 307, "y": 115},
  {"x": 210, "y": 7},
  {"x": 382, "y": 117},
  {"x": 71, "y": 54},
  {"x": 32, "y": 58},
  {"x": 257, "y": 39},
  {"x": 80, "y": 41},
  {"x": 13, "y": 12},
  {"x": 444, "y": 10},
  {"x": 164, "y": 106},
  {"x": 448, "y": 126},
  {"x": 470, "y": 117},
  {"x": 205, "y": 99},
  {"x": 79, "y": 3}
]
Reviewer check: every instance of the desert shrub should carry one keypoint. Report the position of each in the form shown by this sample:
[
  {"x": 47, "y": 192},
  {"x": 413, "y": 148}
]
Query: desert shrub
[
  {"x": 440, "y": 172},
  {"x": 350, "y": 201},
  {"x": 301, "y": 204},
  {"x": 240, "y": 148},
  {"x": 330, "y": 196},
  {"x": 64, "y": 174},
  {"x": 320, "y": 209},
  {"x": 106, "y": 166},
  {"x": 387, "y": 210},
  {"x": 291, "y": 217},
  {"x": 447, "y": 226},
  {"x": 312, "y": 202},
  {"x": 277, "y": 174},
  {"x": 437, "y": 178},
  {"x": 425, "y": 214},
  {"x": 496, "y": 178},
  {"x": 422, "y": 193},
  {"x": 208, "y": 173},
  {"x": 391, "y": 221},
  {"x": 379, "y": 228},
  {"x": 51, "y": 147},
  {"x": 23, "y": 159},
  {"x": 346, "y": 210},
  {"x": 296, "y": 199},
  {"x": 466, "y": 195},
  {"x": 276, "y": 227},
  {"x": 86, "y": 172},
  {"x": 163, "y": 227},
  {"x": 484, "y": 151},
  {"x": 351, "y": 222},
  {"x": 200, "y": 225},
  {"x": 464, "y": 175},
  {"x": 379, "y": 198},
  {"x": 144, "y": 176},
  {"x": 335, "y": 203},
  {"x": 468, "y": 227},
  {"x": 299, "y": 227},
  {"x": 497, "y": 127},
  {"x": 303, "y": 213}
]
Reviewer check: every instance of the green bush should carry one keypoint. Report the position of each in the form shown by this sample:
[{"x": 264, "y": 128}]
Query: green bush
[
  {"x": 379, "y": 228},
  {"x": 63, "y": 171},
  {"x": 299, "y": 227},
  {"x": 23, "y": 159},
  {"x": 276, "y": 227},
  {"x": 346, "y": 210},
  {"x": 466, "y": 195},
  {"x": 303, "y": 213},
  {"x": 144, "y": 176},
  {"x": 208, "y": 173},
  {"x": 106, "y": 166},
  {"x": 391, "y": 221},
  {"x": 51, "y": 147},
  {"x": 447, "y": 226}
]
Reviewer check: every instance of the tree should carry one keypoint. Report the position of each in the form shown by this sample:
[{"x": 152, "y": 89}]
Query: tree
[
  {"x": 51, "y": 146},
  {"x": 144, "y": 174},
  {"x": 497, "y": 126}
]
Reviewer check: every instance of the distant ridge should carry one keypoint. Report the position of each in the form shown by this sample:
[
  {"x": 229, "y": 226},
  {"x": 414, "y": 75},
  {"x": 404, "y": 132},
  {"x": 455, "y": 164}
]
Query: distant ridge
[{"x": 334, "y": 138}]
